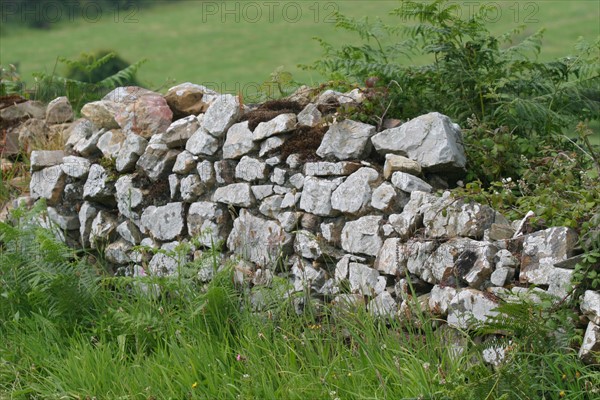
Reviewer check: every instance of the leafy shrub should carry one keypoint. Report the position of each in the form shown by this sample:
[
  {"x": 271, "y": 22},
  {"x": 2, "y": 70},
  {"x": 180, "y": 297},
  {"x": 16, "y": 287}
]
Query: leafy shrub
[{"x": 473, "y": 75}]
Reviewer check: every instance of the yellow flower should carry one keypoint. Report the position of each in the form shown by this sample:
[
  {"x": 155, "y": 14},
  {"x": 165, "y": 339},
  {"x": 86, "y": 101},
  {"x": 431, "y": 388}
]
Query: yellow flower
[
  {"x": 562, "y": 393},
  {"x": 577, "y": 374},
  {"x": 194, "y": 385}
]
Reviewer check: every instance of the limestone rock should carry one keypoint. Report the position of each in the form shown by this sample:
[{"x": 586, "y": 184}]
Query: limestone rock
[
  {"x": 590, "y": 348},
  {"x": 221, "y": 114},
  {"x": 189, "y": 99},
  {"x": 103, "y": 229},
  {"x": 206, "y": 172},
  {"x": 210, "y": 222},
  {"x": 236, "y": 194},
  {"x": 362, "y": 236},
  {"x": 271, "y": 206},
  {"x": 87, "y": 214},
  {"x": 251, "y": 169},
  {"x": 111, "y": 142},
  {"x": 410, "y": 183},
  {"x": 396, "y": 163},
  {"x": 157, "y": 161},
  {"x": 590, "y": 306},
  {"x": 322, "y": 168},
  {"x": 440, "y": 299},
  {"x": 225, "y": 171},
  {"x": 306, "y": 277},
  {"x": 347, "y": 140},
  {"x": 97, "y": 187},
  {"x": 130, "y": 232},
  {"x": 131, "y": 150},
  {"x": 76, "y": 167},
  {"x": 364, "y": 280},
  {"x": 101, "y": 113},
  {"x": 431, "y": 139},
  {"x": 446, "y": 217},
  {"x": 541, "y": 250},
  {"x": 383, "y": 305},
  {"x": 354, "y": 194},
  {"x": 64, "y": 222},
  {"x": 280, "y": 124},
  {"x": 148, "y": 115},
  {"x": 310, "y": 116},
  {"x": 271, "y": 145},
  {"x": 178, "y": 133},
  {"x": 470, "y": 307},
  {"x": 385, "y": 198},
  {"x": 129, "y": 198},
  {"x": 88, "y": 146},
  {"x": 48, "y": 184},
  {"x": 191, "y": 188},
  {"x": 117, "y": 252},
  {"x": 41, "y": 159},
  {"x": 316, "y": 196},
  {"x": 306, "y": 245},
  {"x": 59, "y": 111},
  {"x": 184, "y": 162},
  {"x": 164, "y": 223},
  {"x": 258, "y": 240},
  {"x": 239, "y": 141},
  {"x": 201, "y": 143},
  {"x": 27, "y": 109},
  {"x": 387, "y": 259}
]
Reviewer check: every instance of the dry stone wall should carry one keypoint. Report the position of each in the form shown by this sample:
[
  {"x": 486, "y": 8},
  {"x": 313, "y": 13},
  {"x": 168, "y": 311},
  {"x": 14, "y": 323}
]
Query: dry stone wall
[{"x": 342, "y": 210}]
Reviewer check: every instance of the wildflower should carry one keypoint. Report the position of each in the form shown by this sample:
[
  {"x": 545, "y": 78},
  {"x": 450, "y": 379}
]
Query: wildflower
[
  {"x": 562, "y": 393},
  {"x": 240, "y": 357},
  {"x": 426, "y": 366},
  {"x": 577, "y": 375},
  {"x": 564, "y": 376},
  {"x": 194, "y": 385},
  {"x": 246, "y": 376},
  {"x": 349, "y": 373}
]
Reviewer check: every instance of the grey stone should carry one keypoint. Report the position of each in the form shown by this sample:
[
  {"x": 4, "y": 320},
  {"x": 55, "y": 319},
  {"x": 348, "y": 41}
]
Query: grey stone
[
  {"x": 111, "y": 142},
  {"x": 221, "y": 114},
  {"x": 297, "y": 181},
  {"x": 410, "y": 183},
  {"x": 316, "y": 196},
  {"x": 41, "y": 159},
  {"x": 273, "y": 161},
  {"x": 131, "y": 150},
  {"x": 280, "y": 124},
  {"x": 47, "y": 184},
  {"x": 440, "y": 299},
  {"x": 88, "y": 146},
  {"x": 239, "y": 141},
  {"x": 27, "y": 109},
  {"x": 103, "y": 229},
  {"x": 294, "y": 161},
  {"x": 118, "y": 252},
  {"x": 383, "y": 306},
  {"x": 590, "y": 348},
  {"x": 251, "y": 169},
  {"x": 501, "y": 276},
  {"x": 64, "y": 222},
  {"x": 101, "y": 113},
  {"x": 417, "y": 258},
  {"x": 332, "y": 231},
  {"x": 164, "y": 223},
  {"x": 364, "y": 280},
  {"x": 262, "y": 277},
  {"x": 206, "y": 172},
  {"x": 431, "y": 139},
  {"x": 201, "y": 143},
  {"x": 278, "y": 176},
  {"x": 128, "y": 197},
  {"x": 362, "y": 236},
  {"x": 129, "y": 232},
  {"x": 270, "y": 145},
  {"x": 448, "y": 217},
  {"x": 178, "y": 133},
  {"x": 310, "y": 116},
  {"x": 210, "y": 222},
  {"x": 396, "y": 163},
  {"x": 343, "y": 265},
  {"x": 97, "y": 187},
  {"x": 354, "y": 194},
  {"x": 306, "y": 245},
  {"x": 590, "y": 305},
  {"x": 157, "y": 161},
  {"x": 184, "y": 162},
  {"x": 271, "y": 206},
  {"x": 385, "y": 198},
  {"x": 387, "y": 259},
  {"x": 541, "y": 250},
  {"x": 559, "y": 282},
  {"x": 236, "y": 194},
  {"x": 306, "y": 277},
  {"x": 262, "y": 191},
  {"x": 289, "y": 220},
  {"x": 258, "y": 240},
  {"x": 59, "y": 111},
  {"x": 174, "y": 185},
  {"x": 470, "y": 307},
  {"x": 191, "y": 188},
  {"x": 346, "y": 140},
  {"x": 225, "y": 171},
  {"x": 76, "y": 167},
  {"x": 87, "y": 214}
]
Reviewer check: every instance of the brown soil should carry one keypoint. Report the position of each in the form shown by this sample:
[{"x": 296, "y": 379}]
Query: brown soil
[
  {"x": 304, "y": 141},
  {"x": 269, "y": 110}
]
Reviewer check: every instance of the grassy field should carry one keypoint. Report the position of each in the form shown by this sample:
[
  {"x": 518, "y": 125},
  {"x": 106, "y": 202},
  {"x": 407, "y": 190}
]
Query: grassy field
[{"x": 232, "y": 44}]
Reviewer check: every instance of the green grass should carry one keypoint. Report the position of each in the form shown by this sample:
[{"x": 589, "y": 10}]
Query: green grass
[
  {"x": 71, "y": 334},
  {"x": 183, "y": 42}
]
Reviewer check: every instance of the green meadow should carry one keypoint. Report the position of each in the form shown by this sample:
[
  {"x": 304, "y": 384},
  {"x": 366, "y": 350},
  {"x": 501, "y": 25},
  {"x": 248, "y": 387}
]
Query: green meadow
[{"x": 232, "y": 44}]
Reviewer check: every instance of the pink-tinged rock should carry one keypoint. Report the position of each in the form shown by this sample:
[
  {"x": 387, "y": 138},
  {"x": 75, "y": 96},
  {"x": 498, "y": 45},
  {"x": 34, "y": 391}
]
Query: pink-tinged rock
[
  {"x": 148, "y": 115},
  {"x": 127, "y": 94}
]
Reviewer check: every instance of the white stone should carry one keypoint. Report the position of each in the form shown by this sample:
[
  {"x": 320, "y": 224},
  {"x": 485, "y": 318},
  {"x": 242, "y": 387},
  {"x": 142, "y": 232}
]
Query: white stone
[
  {"x": 202, "y": 143},
  {"x": 354, "y": 194},
  {"x": 590, "y": 348},
  {"x": 316, "y": 196},
  {"x": 111, "y": 142},
  {"x": 383, "y": 305},
  {"x": 239, "y": 141},
  {"x": 164, "y": 223},
  {"x": 347, "y": 140},
  {"x": 590, "y": 305},
  {"x": 251, "y": 169},
  {"x": 97, "y": 187},
  {"x": 210, "y": 222},
  {"x": 410, "y": 183},
  {"x": 76, "y": 167},
  {"x": 362, "y": 236},
  {"x": 221, "y": 114},
  {"x": 184, "y": 162},
  {"x": 310, "y": 116},
  {"x": 280, "y": 124},
  {"x": 180, "y": 131},
  {"x": 236, "y": 194},
  {"x": 470, "y": 307},
  {"x": 41, "y": 159},
  {"x": 131, "y": 150}
]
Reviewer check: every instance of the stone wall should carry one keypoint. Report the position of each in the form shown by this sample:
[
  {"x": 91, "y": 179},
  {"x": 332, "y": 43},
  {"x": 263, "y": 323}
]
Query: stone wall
[{"x": 343, "y": 209}]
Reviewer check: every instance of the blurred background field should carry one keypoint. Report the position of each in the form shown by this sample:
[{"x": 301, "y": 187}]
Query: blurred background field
[{"x": 231, "y": 45}]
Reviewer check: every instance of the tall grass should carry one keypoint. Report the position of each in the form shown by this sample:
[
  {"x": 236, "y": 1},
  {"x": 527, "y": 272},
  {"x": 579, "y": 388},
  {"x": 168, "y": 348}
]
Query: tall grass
[{"x": 70, "y": 332}]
